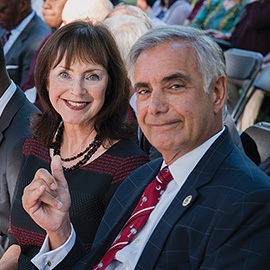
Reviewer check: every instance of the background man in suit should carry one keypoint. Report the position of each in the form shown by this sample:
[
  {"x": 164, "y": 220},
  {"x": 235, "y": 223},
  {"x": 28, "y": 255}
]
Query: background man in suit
[
  {"x": 214, "y": 214},
  {"x": 21, "y": 32},
  {"x": 15, "y": 112}
]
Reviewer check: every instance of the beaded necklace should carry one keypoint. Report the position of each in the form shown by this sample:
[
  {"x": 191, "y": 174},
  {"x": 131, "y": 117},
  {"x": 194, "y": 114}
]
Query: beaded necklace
[{"x": 89, "y": 150}]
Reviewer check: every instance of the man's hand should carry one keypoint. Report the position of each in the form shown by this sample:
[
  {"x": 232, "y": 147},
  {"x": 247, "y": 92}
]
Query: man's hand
[{"x": 47, "y": 201}]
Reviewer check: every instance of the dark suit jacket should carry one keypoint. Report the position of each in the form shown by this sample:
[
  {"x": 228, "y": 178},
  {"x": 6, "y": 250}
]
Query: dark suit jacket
[
  {"x": 225, "y": 226},
  {"x": 14, "y": 128},
  {"x": 19, "y": 57}
]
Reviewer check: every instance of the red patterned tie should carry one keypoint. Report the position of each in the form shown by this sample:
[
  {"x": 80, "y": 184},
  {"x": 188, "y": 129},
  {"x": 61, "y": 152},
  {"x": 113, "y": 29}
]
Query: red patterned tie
[
  {"x": 147, "y": 203},
  {"x": 5, "y": 37}
]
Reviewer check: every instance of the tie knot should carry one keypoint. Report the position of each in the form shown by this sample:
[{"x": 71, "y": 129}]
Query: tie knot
[
  {"x": 164, "y": 176},
  {"x": 5, "y": 37}
]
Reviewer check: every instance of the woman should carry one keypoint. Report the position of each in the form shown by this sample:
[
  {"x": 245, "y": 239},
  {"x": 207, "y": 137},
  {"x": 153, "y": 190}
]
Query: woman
[
  {"x": 220, "y": 15},
  {"x": 82, "y": 84},
  {"x": 252, "y": 32},
  {"x": 170, "y": 12}
]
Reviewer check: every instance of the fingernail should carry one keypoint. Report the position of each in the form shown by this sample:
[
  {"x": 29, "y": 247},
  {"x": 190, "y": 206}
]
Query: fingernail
[
  {"x": 59, "y": 205},
  {"x": 53, "y": 185}
]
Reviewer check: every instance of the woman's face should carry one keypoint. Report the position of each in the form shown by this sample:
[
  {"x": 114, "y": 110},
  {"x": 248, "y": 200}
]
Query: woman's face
[
  {"x": 78, "y": 93},
  {"x": 52, "y": 12}
]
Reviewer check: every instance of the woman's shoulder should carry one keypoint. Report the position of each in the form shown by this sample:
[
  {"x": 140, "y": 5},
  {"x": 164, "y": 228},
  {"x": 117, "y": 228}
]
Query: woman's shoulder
[{"x": 34, "y": 146}]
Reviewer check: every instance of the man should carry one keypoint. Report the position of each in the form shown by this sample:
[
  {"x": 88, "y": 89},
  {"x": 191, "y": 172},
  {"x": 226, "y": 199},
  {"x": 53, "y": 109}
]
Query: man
[
  {"x": 21, "y": 32},
  {"x": 15, "y": 112},
  {"x": 214, "y": 213}
]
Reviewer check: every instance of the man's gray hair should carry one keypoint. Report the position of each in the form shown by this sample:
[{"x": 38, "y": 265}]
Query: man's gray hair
[{"x": 211, "y": 61}]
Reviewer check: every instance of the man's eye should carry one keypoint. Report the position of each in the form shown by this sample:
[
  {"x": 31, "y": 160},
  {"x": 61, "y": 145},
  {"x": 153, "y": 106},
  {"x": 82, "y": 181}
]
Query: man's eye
[
  {"x": 176, "y": 86},
  {"x": 142, "y": 91}
]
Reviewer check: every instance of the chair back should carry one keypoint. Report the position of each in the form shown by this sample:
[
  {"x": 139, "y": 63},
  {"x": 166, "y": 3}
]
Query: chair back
[
  {"x": 256, "y": 142},
  {"x": 242, "y": 65},
  {"x": 263, "y": 80}
]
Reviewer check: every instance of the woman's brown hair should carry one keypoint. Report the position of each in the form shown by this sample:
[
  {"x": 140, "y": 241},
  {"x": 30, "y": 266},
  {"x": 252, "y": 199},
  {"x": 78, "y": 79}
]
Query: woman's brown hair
[{"x": 84, "y": 42}]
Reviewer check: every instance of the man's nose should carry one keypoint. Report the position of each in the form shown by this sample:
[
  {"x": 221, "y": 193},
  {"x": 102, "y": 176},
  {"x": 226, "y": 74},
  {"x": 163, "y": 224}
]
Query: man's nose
[{"x": 158, "y": 102}]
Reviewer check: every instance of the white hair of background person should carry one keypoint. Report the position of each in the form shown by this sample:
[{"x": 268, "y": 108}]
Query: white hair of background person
[
  {"x": 93, "y": 10},
  {"x": 126, "y": 30},
  {"x": 123, "y": 8}
]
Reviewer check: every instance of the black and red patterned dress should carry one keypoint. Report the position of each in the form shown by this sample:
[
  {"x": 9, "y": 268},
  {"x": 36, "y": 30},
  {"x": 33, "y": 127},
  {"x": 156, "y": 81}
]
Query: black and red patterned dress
[{"x": 91, "y": 188}]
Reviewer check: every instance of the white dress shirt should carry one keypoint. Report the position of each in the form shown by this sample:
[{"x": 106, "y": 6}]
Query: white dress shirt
[
  {"x": 16, "y": 32},
  {"x": 127, "y": 258},
  {"x": 7, "y": 96}
]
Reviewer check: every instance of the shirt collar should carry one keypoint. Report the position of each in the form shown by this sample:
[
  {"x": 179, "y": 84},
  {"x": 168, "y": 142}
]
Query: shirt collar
[
  {"x": 23, "y": 23},
  {"x": 183, "y": 166}
]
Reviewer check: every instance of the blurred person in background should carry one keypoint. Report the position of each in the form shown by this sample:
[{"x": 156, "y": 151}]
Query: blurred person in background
[
  {"x": 220, "y": 15},
  {"x": 145, "y": 5},
  {"x": 92, "y": 10},
  {"x": 52, "y": 14},
  {"x": 133, "y": 11},
  {"x": 170, "y": 12},
  {"x": 21, "y": 32}
]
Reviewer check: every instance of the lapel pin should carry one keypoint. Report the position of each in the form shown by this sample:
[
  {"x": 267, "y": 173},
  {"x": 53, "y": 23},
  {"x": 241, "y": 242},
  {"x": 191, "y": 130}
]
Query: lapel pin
[{"x": 187, "y": 200}]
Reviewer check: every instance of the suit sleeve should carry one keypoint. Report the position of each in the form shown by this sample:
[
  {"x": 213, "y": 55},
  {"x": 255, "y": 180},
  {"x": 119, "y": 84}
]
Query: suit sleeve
[{"x": 241, "y": 238}]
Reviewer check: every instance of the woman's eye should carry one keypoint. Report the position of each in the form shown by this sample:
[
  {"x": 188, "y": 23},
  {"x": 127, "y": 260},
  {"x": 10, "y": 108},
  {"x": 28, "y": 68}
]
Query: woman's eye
[
  {"x": 64, "y": 74},
  {"x": 92, "y": 77}
]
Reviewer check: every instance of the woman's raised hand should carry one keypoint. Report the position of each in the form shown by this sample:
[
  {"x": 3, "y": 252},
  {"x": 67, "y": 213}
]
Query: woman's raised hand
[{"x": 47, "y": 200}]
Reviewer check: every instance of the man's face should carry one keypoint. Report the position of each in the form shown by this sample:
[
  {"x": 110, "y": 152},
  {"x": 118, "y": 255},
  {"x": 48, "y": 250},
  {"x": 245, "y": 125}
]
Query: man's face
[
  {"x": 9, "y": 14},
  {"x": 174, "y": 112}
]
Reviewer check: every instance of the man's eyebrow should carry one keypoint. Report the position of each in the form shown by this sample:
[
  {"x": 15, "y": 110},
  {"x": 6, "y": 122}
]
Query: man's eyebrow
[
  {"x": 175, "y": 76},
  {"x": 140, "y": 85}
]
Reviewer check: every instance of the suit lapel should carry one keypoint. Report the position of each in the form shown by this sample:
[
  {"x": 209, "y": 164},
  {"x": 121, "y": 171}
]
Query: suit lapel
[
  {"x": 200, "y": 176},
  {"x": 123, "y": 203},
  {"x": 13, "y": 106},
  {"x": 18, "y": 44}
]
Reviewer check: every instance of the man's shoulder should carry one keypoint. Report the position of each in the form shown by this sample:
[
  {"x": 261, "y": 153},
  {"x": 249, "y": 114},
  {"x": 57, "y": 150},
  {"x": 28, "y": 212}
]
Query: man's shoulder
[{"x": 37, "y": 28}]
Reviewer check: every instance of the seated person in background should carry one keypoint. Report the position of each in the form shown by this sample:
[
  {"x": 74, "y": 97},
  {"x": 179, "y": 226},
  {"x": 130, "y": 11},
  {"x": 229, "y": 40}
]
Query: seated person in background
[
  {"x": 133, "y": 11},
  {"x": 170, "y": 12},
  {"x": 93, "y": 10},
  {"x": 220, "y": 15},
  {"x": 15, "y": 111},
  {"x": 52, "y": 14},
  {"x": 197, "y": 6},
  {"x": 21, "y": 32},
  {"x": 82, "y": 84},
  {"x": 207, "y": 202},
  {"x": 252, "y": 32},
  {"x": 145, "y": 5},
  {"x": 126, "y": 30}
]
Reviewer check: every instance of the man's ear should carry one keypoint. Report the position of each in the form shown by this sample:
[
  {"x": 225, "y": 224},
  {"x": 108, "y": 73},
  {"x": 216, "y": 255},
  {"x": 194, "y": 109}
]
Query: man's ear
[{"x": 219, "y": 91}]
